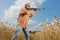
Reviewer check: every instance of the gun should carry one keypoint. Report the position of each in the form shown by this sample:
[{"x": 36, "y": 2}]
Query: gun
[{"x": 35, "y": 9}]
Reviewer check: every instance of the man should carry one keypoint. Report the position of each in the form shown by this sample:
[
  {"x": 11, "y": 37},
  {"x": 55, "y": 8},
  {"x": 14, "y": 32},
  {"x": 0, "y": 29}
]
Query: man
[{"x": 24, "y": 15}]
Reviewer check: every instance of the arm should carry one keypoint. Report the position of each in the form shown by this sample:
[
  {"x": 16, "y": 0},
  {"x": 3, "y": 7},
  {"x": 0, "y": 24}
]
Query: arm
[
  {"x": 23, "y": 12},
  {"x": 32, "y": 13}
]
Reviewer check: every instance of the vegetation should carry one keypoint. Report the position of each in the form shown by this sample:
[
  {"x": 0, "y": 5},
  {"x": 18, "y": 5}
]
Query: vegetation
[{"x": 51, "y": 31}]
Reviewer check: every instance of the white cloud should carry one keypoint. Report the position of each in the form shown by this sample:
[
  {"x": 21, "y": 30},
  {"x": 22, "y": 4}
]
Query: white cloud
[
  {"x": 32, "y": 22},
  {"x": 37, "y": 3},
  {"x": 36, "y": 27},
  {"x": 12, "y": 13}
]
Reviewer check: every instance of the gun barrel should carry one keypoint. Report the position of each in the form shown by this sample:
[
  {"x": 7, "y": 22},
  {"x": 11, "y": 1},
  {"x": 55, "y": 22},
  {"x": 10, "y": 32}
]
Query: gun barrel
[{"x": 35, "y": 8}]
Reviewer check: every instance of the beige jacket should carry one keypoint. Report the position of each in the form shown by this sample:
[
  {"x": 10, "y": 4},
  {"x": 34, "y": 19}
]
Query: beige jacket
[{"x": 23, "y": 17}]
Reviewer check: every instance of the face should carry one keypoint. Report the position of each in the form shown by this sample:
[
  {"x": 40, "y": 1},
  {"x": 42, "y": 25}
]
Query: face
[{"x": 27, "y": 6}]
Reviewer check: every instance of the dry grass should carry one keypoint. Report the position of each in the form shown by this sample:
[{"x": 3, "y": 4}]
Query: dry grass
[{"x": 48, "y": 33}]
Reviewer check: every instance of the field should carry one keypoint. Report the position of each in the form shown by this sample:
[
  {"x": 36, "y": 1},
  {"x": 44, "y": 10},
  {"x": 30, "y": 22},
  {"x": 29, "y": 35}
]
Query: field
[{"x": 49, "y": 32}]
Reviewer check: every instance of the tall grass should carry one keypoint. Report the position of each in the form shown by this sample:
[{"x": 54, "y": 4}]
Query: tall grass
[{"x": 49, "y": 32}]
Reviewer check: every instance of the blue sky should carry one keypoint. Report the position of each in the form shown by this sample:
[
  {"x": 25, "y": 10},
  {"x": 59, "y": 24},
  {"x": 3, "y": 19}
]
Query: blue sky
[
  {"x": 5, "y": 4},
  {"x": 51, "y": 6}
]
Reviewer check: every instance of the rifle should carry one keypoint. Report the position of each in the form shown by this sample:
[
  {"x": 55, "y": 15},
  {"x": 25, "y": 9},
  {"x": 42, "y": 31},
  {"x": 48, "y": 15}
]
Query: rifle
[{"x": 35, "y": 9}]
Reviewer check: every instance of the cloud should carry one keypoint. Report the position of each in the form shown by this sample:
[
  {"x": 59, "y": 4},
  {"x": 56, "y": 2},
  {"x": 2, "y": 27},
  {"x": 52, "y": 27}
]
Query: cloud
[
  {"x": 37, "y": 3},
  {"x": 12, "y": 12},
  {"x": 32, "y": 22},
  {"x": 36, "y": 27}
]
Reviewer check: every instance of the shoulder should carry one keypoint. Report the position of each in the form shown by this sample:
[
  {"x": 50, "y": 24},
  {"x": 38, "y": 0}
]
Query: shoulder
[{"x": 22, "y": 9}]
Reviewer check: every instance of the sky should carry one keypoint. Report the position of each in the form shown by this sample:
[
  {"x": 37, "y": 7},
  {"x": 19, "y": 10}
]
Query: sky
[{"x": 51, "y": 7}]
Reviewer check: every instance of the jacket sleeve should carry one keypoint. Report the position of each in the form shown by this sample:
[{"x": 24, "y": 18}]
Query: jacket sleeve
[
  {"x": 30, "y": 15},
  {"x": 23, "y": 12}
]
